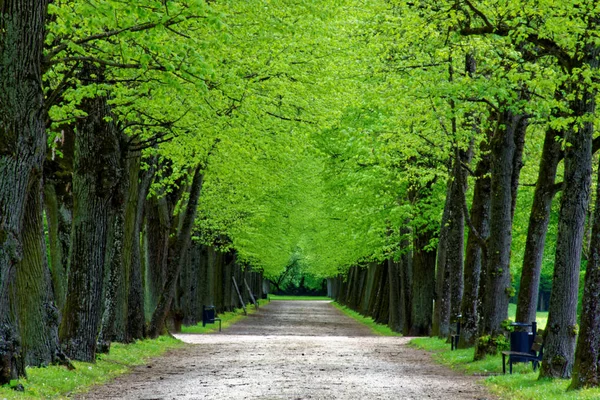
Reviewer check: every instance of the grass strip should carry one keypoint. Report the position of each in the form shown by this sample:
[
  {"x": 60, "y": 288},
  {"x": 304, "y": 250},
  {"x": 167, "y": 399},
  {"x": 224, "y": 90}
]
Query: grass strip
[
  {"x": 378, "y": 329},
  {"x": 56, "y": 382},
  {"x": 523, "y": 384},
  {"x": 227, "y": 319},
  {"x": 297, "y": 298}
]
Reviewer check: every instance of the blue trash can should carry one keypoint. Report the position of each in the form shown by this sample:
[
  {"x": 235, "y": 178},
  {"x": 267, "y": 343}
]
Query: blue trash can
[{"x": 521, "y": 339}]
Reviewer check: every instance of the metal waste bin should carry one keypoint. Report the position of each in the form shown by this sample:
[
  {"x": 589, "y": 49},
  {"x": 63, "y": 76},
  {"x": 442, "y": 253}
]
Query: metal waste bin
[{"x": 521, "y": 339}]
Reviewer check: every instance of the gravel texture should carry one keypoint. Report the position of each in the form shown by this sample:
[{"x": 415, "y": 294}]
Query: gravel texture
[{"x": 293, "y": 350}]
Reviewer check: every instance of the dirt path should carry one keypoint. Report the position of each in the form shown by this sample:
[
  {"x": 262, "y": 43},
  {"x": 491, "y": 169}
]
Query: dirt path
[{"x": 293, "y": 350}]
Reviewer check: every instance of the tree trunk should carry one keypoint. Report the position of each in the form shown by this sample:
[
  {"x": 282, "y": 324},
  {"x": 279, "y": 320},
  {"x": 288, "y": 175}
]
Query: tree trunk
[
  {"x": 474, "y": 259},
  {"x": 115, "y": 278},
  {"x": 405, "y": 278},
  {"x": 586, "y": 368},
  {"x": 538, "y": 227},
  {"x": 22, "y": 149},
  {"x": 38, "y": 315},
  {"x": 561, "y": 331},
  {"x": 441, "y": 309},
  {"x": 157, "y": 233},
  {"x": 498, "y": 285},
  {"x": 423, "y": 284},
  {"x": 113, "y": 321},
  {"x": 136, "y": 327},
  {"x": 157, "y": 324},
  {"x": 94, "y": 177},
  {"x": 58, "y": 201}
]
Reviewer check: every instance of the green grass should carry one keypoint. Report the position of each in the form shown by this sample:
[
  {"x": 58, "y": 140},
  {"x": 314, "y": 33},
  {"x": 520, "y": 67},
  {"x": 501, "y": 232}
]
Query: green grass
[
  {"x": 56, "y": 382},
  {"x": 227, "y": 318},
  {"x": 523, "y": 384},
  {"x": 285, "y": 297},
  {"x": 378, "y": 329}
]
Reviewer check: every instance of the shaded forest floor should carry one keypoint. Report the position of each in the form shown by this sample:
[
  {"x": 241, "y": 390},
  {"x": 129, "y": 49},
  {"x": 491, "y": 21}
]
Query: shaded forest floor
[{"x": 293, "y": 350}]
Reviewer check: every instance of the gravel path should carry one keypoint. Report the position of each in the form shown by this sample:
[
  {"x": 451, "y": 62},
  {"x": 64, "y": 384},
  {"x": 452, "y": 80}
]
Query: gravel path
[{"x": 293, "y": 350}]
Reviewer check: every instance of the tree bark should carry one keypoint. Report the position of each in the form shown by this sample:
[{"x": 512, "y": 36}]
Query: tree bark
[
  {"x": 157, "y": 323},
  {"x": 395, "y": 317},
  {"x": 405, "y": 278},
  {"x": 538, "y": 227},
  {"x": 441, "y": 309},
  {"x": 498, "y": 285},
  {"x": 22, "y": 150},
  {"x": 136, "y": 328},
  {"x": 58, "y": 202},
  {"x": 38, "y": 315},
  {"x": 586, "y": 368},
  {"x": 474, "y": 259},
  {"x": 423, "y": 284},
  {"x": 561, "y": 331},
  {"x": 96, "y": 173}
]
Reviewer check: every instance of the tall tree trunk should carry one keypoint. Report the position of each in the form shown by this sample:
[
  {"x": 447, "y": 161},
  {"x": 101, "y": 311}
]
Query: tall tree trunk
[
  {"x": 136, "y": 327},
  {"x": 38, "y": 314},
  {"x": 405, "y": 278},
  {"x": 22, "y": 150},
  {"x": 498, "y": 285},
  {"x": 474, "y": 259},
  {"x": 538, "y": 227},
  {"x": 456, "y": 232},
  {"x": 157, "y": 323},
  {"x": 586, "y": 368},
  {"x": 561, "y": 332},
  {"x": 96, "y": 172},
  {"x": 423, "y": 284},
  {"x": 58, "y": 202},
  {"x": 158, "y": 227},
  {"x": 441, "y": 310},
  {"x": 116, "y": 274},
  {"x": 59, "y": 219}
]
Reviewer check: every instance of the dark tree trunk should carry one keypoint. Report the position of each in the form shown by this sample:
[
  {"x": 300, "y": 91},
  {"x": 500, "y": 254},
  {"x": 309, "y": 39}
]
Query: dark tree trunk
[
  {"x": 561, "y": 332},
  {"x": 157, "y": 324},
  {"x": 374, "y": 289},
  {"x": 586, "y": 368},
  {"x": 158, "y": 227},
  {"x": 498, "y": 285},
  {"x": 441, "y": 310},
  {"x": 58, "y": 201},
  {"x": 38, "y": 314},
  {"x": 456, "y": 232},
  {"x": 405, "y": 267},
  {"x": 22, "y": 150},
  {"x": 370, "y": 277},
  {"x": 136, "y": 327},
  {"x": 538, "y": 227},
  {"x": 474, "y": 259},
  {"x": 95, "y": 175},
  {"x": 115, "y": 274},
  {"x": 59, "y": 218},
  {"x": 423, "y": 284}
]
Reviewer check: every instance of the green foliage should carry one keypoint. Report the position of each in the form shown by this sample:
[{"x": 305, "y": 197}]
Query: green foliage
[{"x": 58, "y": 382}]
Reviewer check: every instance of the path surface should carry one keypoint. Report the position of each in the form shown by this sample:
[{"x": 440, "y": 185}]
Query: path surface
[{"x": 293, "y": 350}]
